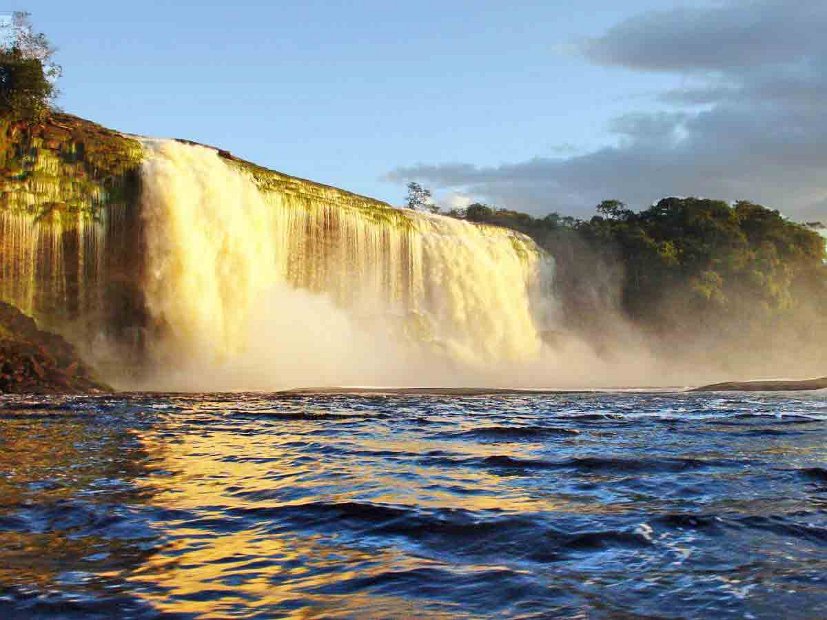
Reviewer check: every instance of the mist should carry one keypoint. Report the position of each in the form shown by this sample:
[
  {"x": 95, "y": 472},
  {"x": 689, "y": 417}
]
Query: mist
[{"x": 248, "y": 287}]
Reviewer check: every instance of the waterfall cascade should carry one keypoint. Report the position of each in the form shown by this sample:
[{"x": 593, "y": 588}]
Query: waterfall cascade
[
  {"x": 229, "y": 276},
  {"x": 233, "y": 263}
]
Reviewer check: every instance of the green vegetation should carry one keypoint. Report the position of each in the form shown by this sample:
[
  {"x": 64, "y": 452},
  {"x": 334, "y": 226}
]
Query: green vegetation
[
  {"x": 27, "y": 71},
  {"x": 309, "y": 193},
  {"x": 65, "y": 165},
  {"x": 24, "y": 89},
  {"x": 710, "y": 259},
  {"x": 526, "y": 224}
]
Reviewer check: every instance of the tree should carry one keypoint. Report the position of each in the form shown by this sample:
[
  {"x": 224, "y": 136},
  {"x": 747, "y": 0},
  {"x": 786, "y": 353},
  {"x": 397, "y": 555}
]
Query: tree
[
  {"x": 614, "y": 210},
  {"x": 420, "y": 199},
  {"x": 478, "y": 212},
  {"x": 27, "y": 70}
]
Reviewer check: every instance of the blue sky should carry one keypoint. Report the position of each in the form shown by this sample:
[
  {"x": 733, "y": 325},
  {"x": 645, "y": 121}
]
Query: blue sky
[{"x": 366, "y": 95}]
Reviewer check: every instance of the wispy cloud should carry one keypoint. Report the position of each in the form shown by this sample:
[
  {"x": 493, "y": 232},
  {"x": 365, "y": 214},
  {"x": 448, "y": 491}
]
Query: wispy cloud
[{"x": 748, "y": 122}]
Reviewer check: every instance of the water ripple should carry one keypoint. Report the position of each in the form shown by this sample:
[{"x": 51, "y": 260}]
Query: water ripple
[{"x": 399, "y": 505}]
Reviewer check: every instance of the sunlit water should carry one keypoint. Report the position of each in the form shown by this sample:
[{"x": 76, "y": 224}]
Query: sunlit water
[{"x": 575, "y": 505}]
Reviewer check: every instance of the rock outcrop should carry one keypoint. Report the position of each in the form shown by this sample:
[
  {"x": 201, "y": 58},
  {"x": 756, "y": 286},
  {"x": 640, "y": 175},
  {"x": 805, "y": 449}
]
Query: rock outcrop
[{"x": 35, "y": 361}]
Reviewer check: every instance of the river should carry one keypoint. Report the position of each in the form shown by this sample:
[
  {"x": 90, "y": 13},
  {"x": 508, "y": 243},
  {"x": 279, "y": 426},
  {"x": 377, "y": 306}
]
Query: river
[{"x": 621, "y": 504}]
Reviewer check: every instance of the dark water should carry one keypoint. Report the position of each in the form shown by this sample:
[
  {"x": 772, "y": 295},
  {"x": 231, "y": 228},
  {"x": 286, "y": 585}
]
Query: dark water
[{"x": 573, "y": 505}]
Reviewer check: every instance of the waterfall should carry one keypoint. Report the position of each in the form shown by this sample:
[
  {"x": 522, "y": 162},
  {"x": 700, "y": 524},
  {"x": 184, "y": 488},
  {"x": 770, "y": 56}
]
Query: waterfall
[
  {"x": 50, "y": 266},
  {"x": 259, "y": 280}
]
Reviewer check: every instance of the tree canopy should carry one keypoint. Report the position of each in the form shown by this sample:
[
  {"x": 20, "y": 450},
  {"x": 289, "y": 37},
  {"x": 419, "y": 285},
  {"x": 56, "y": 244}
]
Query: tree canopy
[
  {"x": 27, "y": 70},
  {"x": 713, "y": 257}
]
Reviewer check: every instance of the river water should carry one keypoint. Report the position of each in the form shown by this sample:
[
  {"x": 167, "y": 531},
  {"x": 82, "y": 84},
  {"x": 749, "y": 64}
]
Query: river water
[{"x": 665, "y": 505}]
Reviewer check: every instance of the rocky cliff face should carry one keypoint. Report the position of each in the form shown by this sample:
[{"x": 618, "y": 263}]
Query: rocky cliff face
[{"x": 70, "y": 230}]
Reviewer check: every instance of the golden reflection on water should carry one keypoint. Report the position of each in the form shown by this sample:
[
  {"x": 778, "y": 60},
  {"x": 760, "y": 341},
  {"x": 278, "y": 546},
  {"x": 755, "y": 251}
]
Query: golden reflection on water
[
  {"x": 249, "y": 559},
  {"x": 258, "y": 566},
  {"x": 43, "y": 464}
]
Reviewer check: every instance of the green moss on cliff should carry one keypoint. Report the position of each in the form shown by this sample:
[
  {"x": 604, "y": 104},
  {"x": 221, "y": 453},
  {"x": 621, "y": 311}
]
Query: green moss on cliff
[
  {"x": 374, "y": 210},
  {"x": 62, "y": 260},
  {"x": 310, "y": 192},
  {"x": 65, "y": 164}
]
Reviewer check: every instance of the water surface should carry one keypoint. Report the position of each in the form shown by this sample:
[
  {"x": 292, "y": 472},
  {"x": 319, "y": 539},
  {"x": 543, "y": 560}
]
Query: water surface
[{"x": 503, "y": 505}]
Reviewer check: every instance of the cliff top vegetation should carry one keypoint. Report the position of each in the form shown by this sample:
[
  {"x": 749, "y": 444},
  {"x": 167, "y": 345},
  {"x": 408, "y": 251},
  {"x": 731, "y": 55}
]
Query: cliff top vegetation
[{"x": 27, "y": 70}]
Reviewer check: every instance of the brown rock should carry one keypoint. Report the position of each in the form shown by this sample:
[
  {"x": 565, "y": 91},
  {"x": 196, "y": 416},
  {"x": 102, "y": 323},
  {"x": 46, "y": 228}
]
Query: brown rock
[{"x": 33, "y": 361}]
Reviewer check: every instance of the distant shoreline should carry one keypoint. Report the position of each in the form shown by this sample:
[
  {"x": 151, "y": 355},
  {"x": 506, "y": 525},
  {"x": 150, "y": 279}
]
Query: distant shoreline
[
  {"x": 443, "y": 391},
  {"x": 730, "y": 386},
  {"x": 727, "y": 386},
  {"x": 765, "y": 386}
]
